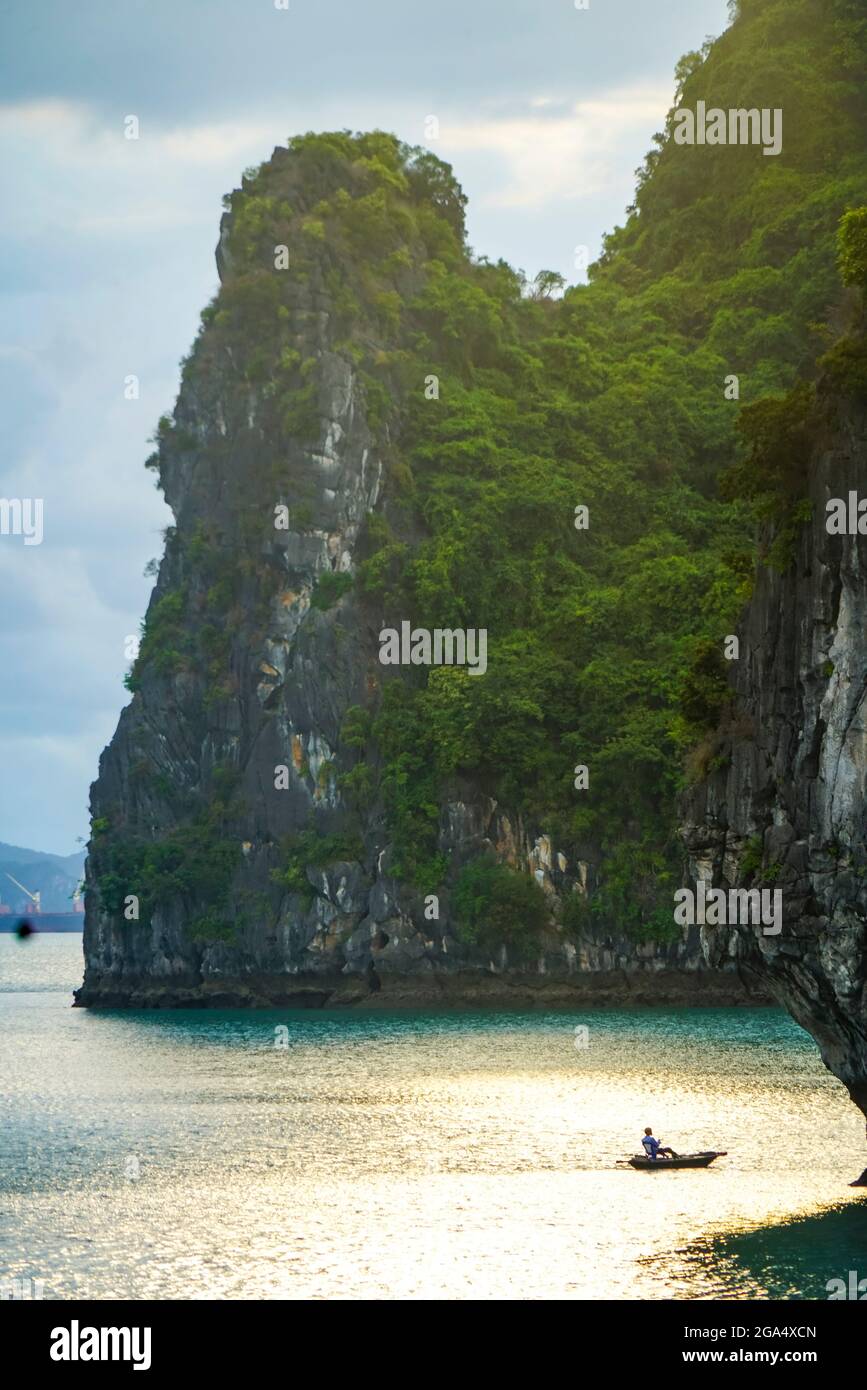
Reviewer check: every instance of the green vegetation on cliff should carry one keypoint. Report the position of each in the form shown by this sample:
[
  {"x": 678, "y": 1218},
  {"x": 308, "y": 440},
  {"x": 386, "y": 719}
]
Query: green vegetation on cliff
[
  {"x": 193, "y": 865},
  {"x": 603, "y": 641},
  {"x": 497, "y": 906}
]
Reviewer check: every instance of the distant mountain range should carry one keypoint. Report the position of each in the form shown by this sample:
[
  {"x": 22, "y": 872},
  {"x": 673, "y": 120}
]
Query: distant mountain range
[{"x": 54, "y": 876}]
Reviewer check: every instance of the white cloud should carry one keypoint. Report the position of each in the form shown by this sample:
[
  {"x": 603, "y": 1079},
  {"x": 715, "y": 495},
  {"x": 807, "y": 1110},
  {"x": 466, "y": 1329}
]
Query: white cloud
[
  {"x": 74, "y": 131},
  {"x": 552, "y": 158},
  {"x": 101, "y": 183}
]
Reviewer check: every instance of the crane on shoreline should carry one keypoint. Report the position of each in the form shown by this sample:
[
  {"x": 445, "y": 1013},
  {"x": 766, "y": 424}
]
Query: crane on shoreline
[{"x": 35, "y": 898}]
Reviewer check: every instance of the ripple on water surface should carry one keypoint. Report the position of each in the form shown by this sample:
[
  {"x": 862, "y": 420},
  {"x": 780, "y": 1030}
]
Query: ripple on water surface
[{"x": 185, "y": 1155}]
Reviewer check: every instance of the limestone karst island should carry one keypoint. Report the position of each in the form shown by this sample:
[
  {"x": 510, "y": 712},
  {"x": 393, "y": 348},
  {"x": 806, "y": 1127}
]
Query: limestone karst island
[{"x": 437, "y": 708}]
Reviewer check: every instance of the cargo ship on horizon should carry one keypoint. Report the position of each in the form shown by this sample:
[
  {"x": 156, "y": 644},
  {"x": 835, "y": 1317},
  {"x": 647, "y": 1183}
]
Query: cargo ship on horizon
[
  {"x": 31, "y": 914},
  {"x": 41, "y": 921}
]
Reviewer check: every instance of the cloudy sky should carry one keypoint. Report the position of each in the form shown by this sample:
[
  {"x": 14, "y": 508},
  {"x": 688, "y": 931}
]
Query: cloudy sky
[{"x": 106, "y": 259}]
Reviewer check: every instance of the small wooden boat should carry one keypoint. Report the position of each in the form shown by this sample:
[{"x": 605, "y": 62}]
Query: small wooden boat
[{"x": 702, "y": 1160}]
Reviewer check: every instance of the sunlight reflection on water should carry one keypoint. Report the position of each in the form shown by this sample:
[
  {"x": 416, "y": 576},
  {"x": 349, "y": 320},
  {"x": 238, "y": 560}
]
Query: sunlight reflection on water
[{"x": 183, "y": 1155}]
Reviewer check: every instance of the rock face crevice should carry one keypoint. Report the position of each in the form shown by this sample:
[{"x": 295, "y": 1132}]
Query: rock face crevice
[{"x": 787, "y": 808}]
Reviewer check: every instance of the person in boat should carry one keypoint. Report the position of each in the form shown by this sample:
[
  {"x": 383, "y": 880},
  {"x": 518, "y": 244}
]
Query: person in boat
[{"x": 654, "y": 1149}]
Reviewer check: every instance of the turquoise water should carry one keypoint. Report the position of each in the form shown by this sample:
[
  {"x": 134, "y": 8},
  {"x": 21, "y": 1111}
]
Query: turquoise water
[{"x": 185, "y": 1155}]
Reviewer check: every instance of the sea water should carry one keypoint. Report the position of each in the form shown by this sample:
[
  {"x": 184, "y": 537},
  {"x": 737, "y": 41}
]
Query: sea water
[{"x": 271, "y": 1154}]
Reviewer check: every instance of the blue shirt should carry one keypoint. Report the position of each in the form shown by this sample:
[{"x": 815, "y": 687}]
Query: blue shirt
[{"x": 650, "y": 1145}]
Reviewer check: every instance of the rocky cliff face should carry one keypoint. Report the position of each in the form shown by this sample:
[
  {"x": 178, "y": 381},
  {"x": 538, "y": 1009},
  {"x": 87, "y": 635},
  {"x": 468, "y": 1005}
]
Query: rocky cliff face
[
  {"x": 229, "y": 861},
  {"x": 787, "y": 808}
]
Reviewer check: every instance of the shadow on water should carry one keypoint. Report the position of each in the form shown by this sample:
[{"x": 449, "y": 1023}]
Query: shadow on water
[{"x": 793, "y": 1260}]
